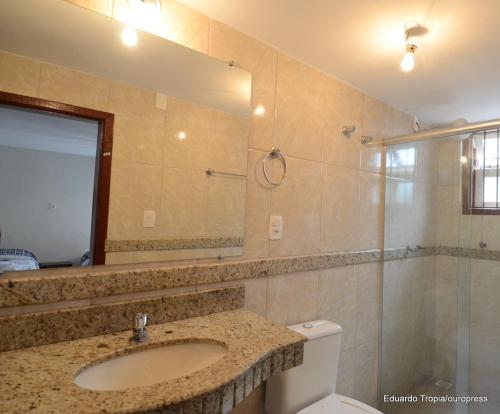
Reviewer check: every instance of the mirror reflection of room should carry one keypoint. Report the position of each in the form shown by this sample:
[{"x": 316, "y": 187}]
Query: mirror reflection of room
[
  {"x": 173, "y": 186},
  {"x": 47, "y": 168}
]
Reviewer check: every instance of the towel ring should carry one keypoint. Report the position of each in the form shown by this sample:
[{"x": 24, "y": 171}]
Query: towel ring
[{"x": 274, "y": 153}]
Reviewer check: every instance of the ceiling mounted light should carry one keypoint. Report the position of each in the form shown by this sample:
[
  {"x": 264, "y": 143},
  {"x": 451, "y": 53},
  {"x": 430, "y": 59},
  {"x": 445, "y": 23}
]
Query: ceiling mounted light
[
  {"x": 408, "y": 61},
  {"x": 412, "y": 29}
]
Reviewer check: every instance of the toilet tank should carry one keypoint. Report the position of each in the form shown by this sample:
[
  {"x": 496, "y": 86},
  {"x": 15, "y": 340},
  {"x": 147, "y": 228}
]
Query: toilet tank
[{"x": 301, "y": 386}]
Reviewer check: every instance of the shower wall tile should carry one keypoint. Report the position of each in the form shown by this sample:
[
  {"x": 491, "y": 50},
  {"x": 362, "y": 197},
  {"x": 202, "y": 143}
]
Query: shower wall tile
[
  {"x": 371, "y": 211},
  {"x": 368, "y": 303},
  {"x": 448, "y": 215},
  {"x": 485, "y": 329},
  {"x": 377, "y": 122},
  {"x": 346, "y": 106},
  {"x": 489, "y": 232},
  {"x": 485, "y": 291},
  {"x": 18, "y": 74}
]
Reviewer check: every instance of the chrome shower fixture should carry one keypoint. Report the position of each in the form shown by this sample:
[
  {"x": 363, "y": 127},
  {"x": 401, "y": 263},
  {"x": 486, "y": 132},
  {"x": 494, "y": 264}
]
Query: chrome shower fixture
[
  {"x": 348, "y": 130},
  {"x": 365, "y": 139}
]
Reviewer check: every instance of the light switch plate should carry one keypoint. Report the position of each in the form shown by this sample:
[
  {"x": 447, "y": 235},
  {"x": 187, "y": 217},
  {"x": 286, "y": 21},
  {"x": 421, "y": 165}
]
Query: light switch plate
[
  {"x": 275, "y": 227},
  {"x": 149, "y": 218},
  {"x": 161, "y": 101}
]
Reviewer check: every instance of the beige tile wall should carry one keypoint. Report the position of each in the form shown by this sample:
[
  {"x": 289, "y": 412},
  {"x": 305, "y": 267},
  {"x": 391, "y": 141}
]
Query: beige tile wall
[
  {"x": 332, "y": 197},
  {"x": 349, "y": 295},
  {"x": 333, "y": 190}
]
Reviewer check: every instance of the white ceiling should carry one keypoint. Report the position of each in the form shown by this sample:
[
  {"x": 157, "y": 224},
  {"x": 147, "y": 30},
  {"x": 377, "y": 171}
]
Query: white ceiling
[
  {"x": 45, "y": 132},
  {"x": 457, "y": 71}
]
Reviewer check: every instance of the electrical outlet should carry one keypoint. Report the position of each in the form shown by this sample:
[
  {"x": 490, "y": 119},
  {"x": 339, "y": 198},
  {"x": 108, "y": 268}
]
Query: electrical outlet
[
  {"x": 161, "y": 101},
  {"x": 149, "y": 218}
]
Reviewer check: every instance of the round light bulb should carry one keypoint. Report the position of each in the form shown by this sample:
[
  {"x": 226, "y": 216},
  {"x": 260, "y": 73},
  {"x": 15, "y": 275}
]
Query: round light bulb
[
  {"x": 408, "y": 61},
  {"x": 463, "y": 159},
  {"x": 129, "y": 36},
  {"x": 181, "y": 135},
  {"x": 259, "y": 110}
]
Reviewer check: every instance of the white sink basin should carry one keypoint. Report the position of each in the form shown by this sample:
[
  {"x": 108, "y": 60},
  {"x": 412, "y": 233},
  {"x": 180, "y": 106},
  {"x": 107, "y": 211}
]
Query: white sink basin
[{"x": 150, "y": 366}]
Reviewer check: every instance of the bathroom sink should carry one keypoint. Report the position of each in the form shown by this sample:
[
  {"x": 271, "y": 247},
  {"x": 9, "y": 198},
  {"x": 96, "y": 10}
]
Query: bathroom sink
[{"x": 150, "y": 366}]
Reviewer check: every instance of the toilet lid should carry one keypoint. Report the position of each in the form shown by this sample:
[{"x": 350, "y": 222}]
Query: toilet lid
[{"x": 338, "y": 404}]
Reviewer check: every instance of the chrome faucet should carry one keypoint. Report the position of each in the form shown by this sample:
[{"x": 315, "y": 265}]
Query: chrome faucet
[{"x": 140, "y": 332}]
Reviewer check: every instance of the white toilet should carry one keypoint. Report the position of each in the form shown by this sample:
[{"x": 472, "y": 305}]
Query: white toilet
[{"x": 309, "y": 388}]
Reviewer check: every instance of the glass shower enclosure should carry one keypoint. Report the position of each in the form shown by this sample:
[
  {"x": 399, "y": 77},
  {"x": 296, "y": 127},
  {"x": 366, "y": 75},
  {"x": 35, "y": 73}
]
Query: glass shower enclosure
[{"x": 440, "y": 334}]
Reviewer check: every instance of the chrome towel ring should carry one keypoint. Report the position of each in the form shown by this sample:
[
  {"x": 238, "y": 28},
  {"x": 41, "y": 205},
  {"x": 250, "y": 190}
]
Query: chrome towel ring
[{"x": 274, "y": 153}]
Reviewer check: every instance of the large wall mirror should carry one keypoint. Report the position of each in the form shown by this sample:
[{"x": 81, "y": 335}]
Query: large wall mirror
[{"x": 116, "y": 145}]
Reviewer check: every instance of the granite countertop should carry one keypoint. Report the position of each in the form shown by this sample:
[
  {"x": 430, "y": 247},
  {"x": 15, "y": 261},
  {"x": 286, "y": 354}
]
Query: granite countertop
[{"x": 40, "y": 379}]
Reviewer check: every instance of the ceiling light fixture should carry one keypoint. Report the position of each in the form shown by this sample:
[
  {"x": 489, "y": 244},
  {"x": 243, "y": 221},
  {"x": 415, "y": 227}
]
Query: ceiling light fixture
[
  {"x": 408, "y": 61},
  {"x": 412, "y": 29}
]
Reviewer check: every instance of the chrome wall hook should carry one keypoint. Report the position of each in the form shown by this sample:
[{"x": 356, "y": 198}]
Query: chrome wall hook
[
  {"x": 365, "y": 139},
  {"x": 348, "y": 130}
]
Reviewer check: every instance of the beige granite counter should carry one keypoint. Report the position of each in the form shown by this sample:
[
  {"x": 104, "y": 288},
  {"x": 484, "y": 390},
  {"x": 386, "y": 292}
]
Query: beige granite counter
[{"x": 40, "y": 379}]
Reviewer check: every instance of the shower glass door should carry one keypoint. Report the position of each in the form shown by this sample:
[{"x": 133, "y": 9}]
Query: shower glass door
[{"x": 426, "y": 298}]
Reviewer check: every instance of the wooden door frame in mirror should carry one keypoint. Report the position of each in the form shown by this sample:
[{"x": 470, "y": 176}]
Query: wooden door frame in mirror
[{"x": 106, "y": 121}]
